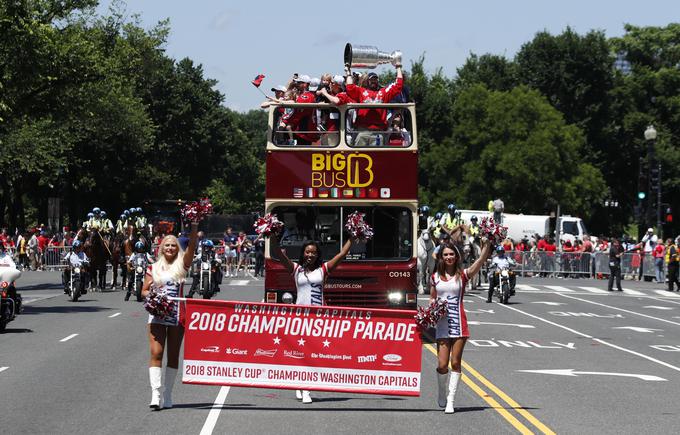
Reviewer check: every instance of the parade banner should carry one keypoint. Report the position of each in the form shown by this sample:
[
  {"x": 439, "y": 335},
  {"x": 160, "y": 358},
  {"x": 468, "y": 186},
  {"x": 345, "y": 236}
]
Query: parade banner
[{"x": 321, "y": 348}]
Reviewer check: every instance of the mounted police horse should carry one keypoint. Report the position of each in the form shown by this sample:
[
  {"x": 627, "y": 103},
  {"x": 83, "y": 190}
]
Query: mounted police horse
[
  {"x": 98, "y": 249},
  {"x": 425, "y": 260},
  {"x": 471, "y": 252}
]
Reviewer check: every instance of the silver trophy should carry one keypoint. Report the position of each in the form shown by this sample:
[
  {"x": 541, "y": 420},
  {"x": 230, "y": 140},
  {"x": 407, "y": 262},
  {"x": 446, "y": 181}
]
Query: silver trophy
[{"x": 366, "y": 56}]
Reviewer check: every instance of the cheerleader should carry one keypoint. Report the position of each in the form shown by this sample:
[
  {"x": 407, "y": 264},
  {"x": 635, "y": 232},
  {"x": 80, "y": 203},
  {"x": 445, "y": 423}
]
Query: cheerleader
[
  {"x": 309, "y": 274},
  {"x": 167, "y": 276},
  {"x": 448, "y": 283}
]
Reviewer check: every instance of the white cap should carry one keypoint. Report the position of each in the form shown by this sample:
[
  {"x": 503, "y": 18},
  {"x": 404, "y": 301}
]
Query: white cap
[
  {"x": 314, "y": 84},
  {"x": 279, "y": 88},
  {"x": 303, "y": 79},
  {"x": 650, "y": 230},
  {"x": 340, "y": 80}
]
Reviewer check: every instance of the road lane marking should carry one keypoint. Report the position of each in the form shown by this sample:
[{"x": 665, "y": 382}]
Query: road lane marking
[
  {"x": 68, "y": 338},
  {"x": 2, "y": 369},
  {"x": 666, "y": 293},
  {"x": 238, "y": 282},
  {"x": 656, "y": 307},
  {"x": 30, "y": 299},
  {"x": 114, "y": 315},
  {"x": 623, "y": 349},
  {"x": 622, "y": 309},
  {"x": 525, "y": 287},
  {"x": 553, "y": 304},
  {"x": 629, "y": 291},
  {"x": 558, "y": 288},
  {"x": 638, "y": 329},
  {"x": 490, "y": 400},
  {"x": 594, "y": 289},
  {"x": 214, "y": 414},
  {"x": 474, "y": 322},
  {"x": 575, "y": 373}
]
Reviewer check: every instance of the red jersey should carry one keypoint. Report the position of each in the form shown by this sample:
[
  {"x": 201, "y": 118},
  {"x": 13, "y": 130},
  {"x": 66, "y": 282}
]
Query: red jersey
[
  {"x": 303, "y": 119},
  {"x": 373, "y": 119},
  {"x": 541, "y": 245},
  {"x": 659, "y": 251},
  {"x": 42, "y": 242}
]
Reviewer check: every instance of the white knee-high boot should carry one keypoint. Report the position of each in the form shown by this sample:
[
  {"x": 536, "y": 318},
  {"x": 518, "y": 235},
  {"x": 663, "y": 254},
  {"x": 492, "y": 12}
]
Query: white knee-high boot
[
  {"x": 155, "y": 376},
  {"x": 453, "y": 386},
  {"x": 170, "y": 375},
  {"x": 442, "y": 383}
]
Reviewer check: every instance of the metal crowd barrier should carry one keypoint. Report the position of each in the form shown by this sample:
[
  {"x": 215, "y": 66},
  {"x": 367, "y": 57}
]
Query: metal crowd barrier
[{"x": 580, "y": 264}]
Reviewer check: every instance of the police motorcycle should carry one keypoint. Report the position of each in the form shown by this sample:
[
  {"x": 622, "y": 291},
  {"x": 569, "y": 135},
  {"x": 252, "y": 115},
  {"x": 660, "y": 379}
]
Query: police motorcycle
[
  {"x": 10, "y": 300},
  {"x": 208, "y": 274},
  {"x": 503, "y": 278},
  {"x": 137, "y": 265},
  {"x": 76, "y": 277}
]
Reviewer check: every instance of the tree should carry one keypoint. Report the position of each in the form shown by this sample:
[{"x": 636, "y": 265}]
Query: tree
[{"x": 505, "y": 144}]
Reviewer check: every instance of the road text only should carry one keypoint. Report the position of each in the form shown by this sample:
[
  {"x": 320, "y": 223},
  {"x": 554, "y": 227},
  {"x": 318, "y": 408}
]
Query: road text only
[{"x": 301, "y": 347}]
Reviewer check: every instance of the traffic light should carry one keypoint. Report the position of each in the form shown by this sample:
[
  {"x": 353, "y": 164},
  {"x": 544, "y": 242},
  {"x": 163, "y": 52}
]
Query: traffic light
[
  {"x": 641, "y": 194},
  {"x": 669, "y": 216}
]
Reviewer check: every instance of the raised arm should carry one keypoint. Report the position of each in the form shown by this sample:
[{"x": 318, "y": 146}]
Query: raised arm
[
  {"x": 333, "y": 262},
  {"x": 477, "y": 265},
  {"x": 191, "y": 249},
  {"x": 278, "y": 253},
  {"x": 331, "y": 98}
]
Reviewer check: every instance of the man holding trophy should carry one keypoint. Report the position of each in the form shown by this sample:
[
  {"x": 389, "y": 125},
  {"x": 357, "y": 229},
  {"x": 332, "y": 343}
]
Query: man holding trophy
[{"x": 371, "y": 123}]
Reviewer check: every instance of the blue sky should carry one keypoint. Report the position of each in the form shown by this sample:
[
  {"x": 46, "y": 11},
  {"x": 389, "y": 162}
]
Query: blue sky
[{"x": 235, "y": 41}]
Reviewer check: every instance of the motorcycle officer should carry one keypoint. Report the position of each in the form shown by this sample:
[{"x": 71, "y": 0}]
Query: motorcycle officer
[
  {"x": 6, "y": 262},
  {"x": 138, "y": 252},
  {"x": 499, "y": 262},
  {"x": 73, "y": 259}
]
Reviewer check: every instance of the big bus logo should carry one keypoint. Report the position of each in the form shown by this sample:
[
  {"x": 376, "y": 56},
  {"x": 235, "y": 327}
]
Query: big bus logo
[{"x": 338, "y": 170}]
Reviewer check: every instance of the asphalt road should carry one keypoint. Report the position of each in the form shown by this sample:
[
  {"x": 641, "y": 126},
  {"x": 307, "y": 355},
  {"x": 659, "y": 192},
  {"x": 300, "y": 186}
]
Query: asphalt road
[{"x": 564, "y": 356}]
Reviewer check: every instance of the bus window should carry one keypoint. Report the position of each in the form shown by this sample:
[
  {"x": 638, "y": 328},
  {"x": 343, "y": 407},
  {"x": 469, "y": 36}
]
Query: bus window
[
  {"x": 395, "y": 133},
  {"x": 309, "y": 223},
  {"x": 392, "y": 234},
  {"x": 392, "y": 226},
  {"x": 306, "y": 126}
]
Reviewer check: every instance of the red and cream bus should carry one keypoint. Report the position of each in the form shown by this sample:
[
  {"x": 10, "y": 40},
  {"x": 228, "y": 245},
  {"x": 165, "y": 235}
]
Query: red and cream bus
[{"x": 312, "y": 188}]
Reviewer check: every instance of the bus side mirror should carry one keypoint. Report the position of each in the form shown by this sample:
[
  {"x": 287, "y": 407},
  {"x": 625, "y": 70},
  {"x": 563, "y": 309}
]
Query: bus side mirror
[{"x": 422, "y": 222}]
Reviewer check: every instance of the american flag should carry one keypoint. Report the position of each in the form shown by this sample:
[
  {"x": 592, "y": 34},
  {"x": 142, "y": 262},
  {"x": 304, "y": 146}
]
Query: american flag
[{"x": 298, "y": 192}]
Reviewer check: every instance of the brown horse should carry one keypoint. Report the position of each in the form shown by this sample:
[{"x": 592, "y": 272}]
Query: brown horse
[
  {"x": 119, "y": 257},
  {"x": 98, "y": 249}
]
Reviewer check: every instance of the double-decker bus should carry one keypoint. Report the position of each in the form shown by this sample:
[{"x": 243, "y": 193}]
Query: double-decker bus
[{"x": 313, "y": 187}]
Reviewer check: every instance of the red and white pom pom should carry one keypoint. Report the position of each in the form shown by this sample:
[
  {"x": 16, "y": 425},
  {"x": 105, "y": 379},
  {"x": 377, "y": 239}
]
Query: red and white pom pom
[
  {"x": 491, "y": 230},
  {"x": 267, "y": 225},
  {"x": 197, "y": 210},
  {"x": 158, "y": 304},
  {"x": 357, "y": 227},
  {"x": 429, "y": 316}
]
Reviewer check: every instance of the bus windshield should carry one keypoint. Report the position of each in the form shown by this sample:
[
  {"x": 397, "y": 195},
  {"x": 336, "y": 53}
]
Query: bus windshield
[{"x": 392, "y": 226}]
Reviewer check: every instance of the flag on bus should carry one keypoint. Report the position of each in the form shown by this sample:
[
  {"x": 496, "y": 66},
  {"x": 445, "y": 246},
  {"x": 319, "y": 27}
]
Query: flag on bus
[{"x": 258, "y": 80}]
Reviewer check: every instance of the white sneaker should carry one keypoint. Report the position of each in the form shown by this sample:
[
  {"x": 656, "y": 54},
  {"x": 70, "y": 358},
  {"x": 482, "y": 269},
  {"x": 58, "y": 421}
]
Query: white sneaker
[
  {"x": 298, "y": 394},
  {"x": 306, "y": 398}
]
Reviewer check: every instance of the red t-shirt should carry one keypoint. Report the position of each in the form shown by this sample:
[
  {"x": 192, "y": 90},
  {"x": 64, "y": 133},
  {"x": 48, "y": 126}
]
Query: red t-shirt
[
  {"x": 303, "y": 119},
  {"x": 42, "y": 242},
  {"x": 374, "y": 119},
  {"x": 541, "y": 245},
  {"x": 550, "y": 248},
  {"x": 659, "y": 251}
]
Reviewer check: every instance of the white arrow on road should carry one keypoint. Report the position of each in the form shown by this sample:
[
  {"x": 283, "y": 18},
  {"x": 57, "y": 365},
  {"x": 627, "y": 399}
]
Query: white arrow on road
[
  {"x": 552, "y": 304},
  {"x": 656, "y": 307},
  {"x": 474, "y": 322},
  {"x": 572, "y": 372},
  {"x": 637, "y": 328}
]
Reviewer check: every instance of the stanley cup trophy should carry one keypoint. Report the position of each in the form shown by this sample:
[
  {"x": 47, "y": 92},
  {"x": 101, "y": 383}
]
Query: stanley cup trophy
[{"x": 366, "y": 56}]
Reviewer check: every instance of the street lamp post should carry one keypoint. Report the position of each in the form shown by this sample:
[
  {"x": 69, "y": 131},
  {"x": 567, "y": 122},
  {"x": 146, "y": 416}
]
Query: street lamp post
[{"x": 650, "y": 137}]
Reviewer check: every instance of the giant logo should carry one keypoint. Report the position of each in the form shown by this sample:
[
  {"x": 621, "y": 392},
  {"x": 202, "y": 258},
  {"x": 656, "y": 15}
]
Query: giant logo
[{"x": 340, "y": 170}]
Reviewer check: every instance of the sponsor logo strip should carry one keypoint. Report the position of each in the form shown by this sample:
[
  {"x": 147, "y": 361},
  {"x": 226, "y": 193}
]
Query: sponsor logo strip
[{"x": 300, "y": 377}]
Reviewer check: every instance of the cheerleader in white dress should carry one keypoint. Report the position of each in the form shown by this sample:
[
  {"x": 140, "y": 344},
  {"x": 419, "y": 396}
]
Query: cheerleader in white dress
[
  {"x": 167, "y": 275},
  {"x": 310, "y": 274},
  {"x": 448, "y": 283}
]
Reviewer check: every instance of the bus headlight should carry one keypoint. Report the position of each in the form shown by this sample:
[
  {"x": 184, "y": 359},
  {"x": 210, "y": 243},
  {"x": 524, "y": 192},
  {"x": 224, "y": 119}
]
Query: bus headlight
[
  {"x": 287, "y": 298},
  {"x": 395, "y": 297}
]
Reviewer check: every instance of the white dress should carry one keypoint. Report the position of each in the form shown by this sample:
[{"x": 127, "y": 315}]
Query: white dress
[
  {"x": 309, "y": 284},
  {"x": 454, "y": 324},
  {"x": 173, "y": 289}
]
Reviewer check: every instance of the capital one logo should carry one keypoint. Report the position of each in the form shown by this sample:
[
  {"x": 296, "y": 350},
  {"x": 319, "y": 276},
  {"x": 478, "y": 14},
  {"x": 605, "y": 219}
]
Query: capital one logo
[{"x": 340, "y": 170}]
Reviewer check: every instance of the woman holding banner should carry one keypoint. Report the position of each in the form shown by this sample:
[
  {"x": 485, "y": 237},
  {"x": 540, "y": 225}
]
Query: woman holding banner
[
  {"x": 309, "y": 274},
  {"x": 167, "y": 276},
  {"x": 448, "y": 283}
]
